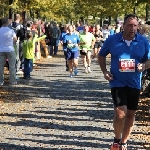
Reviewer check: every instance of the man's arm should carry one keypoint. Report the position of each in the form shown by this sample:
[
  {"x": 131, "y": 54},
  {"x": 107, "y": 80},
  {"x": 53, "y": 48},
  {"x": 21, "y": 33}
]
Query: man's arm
[
  {"x": 14, "y": 37},
  {"x": 102, "y": 63}
]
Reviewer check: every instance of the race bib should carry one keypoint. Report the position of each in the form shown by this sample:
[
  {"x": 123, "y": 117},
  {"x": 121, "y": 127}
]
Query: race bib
[
  {"x": 70, "y": 46},
  {"x": 127, "y": 65}
]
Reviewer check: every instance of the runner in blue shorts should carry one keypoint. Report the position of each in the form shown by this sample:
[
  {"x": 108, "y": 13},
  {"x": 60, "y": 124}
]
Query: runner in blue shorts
[
  {"x": 72, "y": 54},
  {"x": 129, "y": 58}
]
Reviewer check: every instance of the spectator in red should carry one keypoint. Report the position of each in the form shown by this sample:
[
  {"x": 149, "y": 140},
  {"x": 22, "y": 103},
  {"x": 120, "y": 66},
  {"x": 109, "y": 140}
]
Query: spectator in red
[{"x": 91, "y": 29}]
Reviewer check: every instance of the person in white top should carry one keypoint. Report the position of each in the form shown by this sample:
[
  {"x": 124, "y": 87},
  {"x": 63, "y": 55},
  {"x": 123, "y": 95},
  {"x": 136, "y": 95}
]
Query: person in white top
[
  {"x": 105, "y": 32},
  {"x": 7, "y": 39}
]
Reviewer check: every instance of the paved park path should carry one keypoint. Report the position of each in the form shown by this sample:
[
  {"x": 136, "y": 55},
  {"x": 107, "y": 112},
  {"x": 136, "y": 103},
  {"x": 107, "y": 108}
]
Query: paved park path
[{"x": 55, "y": 112}]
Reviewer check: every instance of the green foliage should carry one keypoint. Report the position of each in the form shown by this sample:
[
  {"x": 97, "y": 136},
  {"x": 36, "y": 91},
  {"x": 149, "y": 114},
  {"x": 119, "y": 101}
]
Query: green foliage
[{"x": 74, "y": 9}]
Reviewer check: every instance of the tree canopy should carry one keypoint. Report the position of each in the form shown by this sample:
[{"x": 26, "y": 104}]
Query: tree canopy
[{"x": 75, "y": 9}]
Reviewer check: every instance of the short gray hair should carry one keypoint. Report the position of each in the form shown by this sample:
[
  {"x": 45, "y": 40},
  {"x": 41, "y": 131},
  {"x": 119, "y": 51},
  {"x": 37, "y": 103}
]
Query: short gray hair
[{"x": 5, "y": 21}]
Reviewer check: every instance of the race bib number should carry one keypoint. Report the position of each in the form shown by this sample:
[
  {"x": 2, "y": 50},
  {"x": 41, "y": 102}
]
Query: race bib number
[{"x": 127, "y": 65}]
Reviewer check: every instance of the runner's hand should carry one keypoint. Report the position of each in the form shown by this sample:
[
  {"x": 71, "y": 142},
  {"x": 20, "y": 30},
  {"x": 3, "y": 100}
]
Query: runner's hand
[
  {"x": 83, "y": 43},
  {"x": 75, "y": 45},
  {"x": 92, "y": 46},
  {"x": 108, "y": 76},
  {"x": 93, "y": 56},
  {"x": 140, "y": 67}
]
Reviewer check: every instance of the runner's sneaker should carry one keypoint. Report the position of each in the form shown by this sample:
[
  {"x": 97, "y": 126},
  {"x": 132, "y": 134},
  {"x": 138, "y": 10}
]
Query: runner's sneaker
[
  {"x": 86, "y": 70},
  {"x": 116, "y": 144},
  {"x": 123, "y": 146},
  {"x": 89, "y": 70},
  {"x": 49, "y": 56},
  {"x": 34, "y": 65},
  {"x": 76, "y": 71},
  {"x": 71, "y": 75},
  {"x": 2, "y": 83}
]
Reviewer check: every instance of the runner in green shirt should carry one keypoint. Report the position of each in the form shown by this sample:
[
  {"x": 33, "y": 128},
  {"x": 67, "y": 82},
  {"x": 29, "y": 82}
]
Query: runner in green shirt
[{"x": 87, "y": 41}]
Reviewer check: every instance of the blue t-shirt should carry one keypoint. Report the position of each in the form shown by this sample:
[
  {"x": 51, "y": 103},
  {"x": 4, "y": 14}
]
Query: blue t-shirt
[
  {"x": 125, "y": 57},
  {"x": 80, "y": 29},
  {"x": 73, "y": 39}
]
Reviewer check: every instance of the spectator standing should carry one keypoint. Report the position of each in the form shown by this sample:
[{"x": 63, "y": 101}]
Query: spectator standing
[
  {"x": 7, "y": 40},
  {"x": 28, "y": 52},
  {"x": 55, "y": 34},
  {"x": 20, "y": 32},
  {"x": 144, "y": 30}
]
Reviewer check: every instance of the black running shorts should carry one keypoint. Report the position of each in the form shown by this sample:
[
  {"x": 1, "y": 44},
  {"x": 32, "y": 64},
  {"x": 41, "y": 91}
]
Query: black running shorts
[
  {"x": 125, "y": 96},
  {"x": 84, "y": 53}
]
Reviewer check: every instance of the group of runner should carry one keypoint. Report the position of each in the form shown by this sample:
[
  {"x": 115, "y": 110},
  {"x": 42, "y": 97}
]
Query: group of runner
[
  {"x": 129, "y": 51},
  {"x": 80, "y": 41},
  {"x": 129, "y": 59}
]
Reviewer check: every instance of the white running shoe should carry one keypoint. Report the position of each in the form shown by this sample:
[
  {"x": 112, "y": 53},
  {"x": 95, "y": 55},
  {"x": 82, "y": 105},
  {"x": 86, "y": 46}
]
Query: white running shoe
[
  {"x": 89, "y": 70},
  {"x": 49, "y": 56},
  {"x": 86, "y": 70}
]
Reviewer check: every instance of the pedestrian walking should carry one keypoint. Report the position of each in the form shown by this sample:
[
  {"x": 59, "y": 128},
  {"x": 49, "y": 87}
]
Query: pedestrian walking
[{"x": 129, "y": 58}]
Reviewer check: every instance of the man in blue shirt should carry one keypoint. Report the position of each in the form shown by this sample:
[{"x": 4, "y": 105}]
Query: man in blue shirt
[
  {"x": 72, "y": 40},
  {"x": 129, "y": 58},
  {"x": 80, "y": 28}
]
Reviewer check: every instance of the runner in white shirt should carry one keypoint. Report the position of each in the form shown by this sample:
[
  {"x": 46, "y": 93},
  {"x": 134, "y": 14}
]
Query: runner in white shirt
[{"x": 105, "y": 32}]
